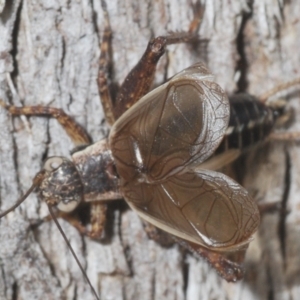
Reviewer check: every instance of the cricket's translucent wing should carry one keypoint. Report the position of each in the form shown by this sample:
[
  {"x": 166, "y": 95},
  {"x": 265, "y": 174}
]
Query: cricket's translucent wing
[
  {"x": 179, "y": 124},
  {"x": 203, "y": 207}
]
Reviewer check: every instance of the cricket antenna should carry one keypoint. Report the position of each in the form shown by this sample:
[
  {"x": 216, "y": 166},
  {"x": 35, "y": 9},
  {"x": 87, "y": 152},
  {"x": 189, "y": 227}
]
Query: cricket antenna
[
  {"x": 281, "y": 87},
  {"x": 39, "y": 177},
  {"x": 72, "y": 251},
  {"x": 36, "y": 182}
]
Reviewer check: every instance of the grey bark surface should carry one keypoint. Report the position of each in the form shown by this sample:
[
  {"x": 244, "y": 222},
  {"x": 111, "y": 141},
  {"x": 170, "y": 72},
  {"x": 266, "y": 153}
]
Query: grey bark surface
[{"x": 49, "y": 54}]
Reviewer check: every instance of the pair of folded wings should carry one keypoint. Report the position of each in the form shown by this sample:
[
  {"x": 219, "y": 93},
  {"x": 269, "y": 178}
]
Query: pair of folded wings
[{"x": 159, "y": 145}]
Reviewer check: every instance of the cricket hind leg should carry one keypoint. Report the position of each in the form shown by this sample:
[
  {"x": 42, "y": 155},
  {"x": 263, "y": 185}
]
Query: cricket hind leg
[
  {"x": 229, "y": 265},
  {"x": 161, "y": 237},
  {"x": 143, "y": 73}
]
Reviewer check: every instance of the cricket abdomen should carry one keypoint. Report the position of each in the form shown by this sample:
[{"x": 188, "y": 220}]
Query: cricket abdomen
[{"x": 250, "y": 123}]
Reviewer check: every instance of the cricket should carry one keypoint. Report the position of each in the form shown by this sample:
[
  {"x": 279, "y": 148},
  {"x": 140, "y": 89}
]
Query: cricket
[{"x": 171, "y": 154}]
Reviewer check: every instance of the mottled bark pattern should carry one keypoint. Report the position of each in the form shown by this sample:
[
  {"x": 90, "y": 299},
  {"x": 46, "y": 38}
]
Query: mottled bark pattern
[{"x": 49, "y": 53}]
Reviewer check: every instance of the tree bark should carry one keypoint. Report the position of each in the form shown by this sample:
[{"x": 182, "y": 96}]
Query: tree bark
[{"x": 49, "y": 54}]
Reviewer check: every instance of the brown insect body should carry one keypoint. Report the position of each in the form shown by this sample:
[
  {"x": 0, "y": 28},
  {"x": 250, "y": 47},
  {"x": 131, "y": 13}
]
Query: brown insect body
[
  {"x": 162, "y": 155},
  {"x": 88, "y": 177},
  {"x": 158, "y": 148},
  {"x": 250, "y": 122},
  {"x": 159, "y": 142}
]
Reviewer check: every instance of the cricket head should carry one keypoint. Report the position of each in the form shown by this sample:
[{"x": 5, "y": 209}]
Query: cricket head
[{"x": 62, "y": 186}]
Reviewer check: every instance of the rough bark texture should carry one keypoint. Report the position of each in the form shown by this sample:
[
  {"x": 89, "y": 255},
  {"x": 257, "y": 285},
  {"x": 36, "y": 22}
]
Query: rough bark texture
[{"x": 48, "y": 55}]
